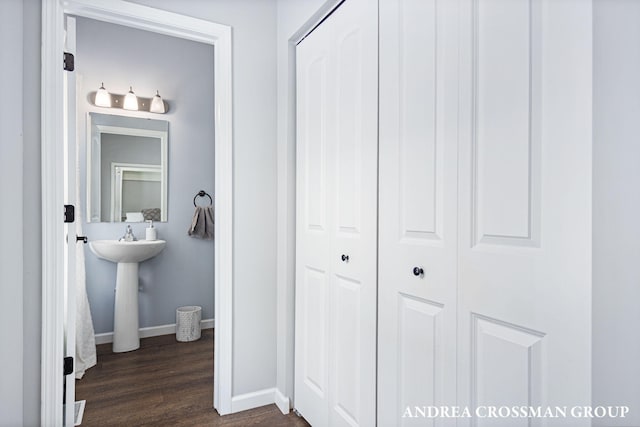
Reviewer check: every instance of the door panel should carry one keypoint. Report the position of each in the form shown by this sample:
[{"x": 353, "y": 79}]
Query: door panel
[
  {"x": 347, "y": 347},
  {"x": 354, "y": 33},
  {"x": 313, "y": 121},
  {"x": 349, "y": 133},
  {"x": 337, "y": 165},
  {"x": 420, "y": 355},
  {"x": 415, "y": 106},
  {"x": 314, "y": 290},
  {"x": 417, "y": 209},
  {"x": 313, "y": 266},
  {"x": 70, "y": 192},
  {"x": 507, "y": 368},
  {"x": 506, "y": 104},
  {"x": 524, "y": 208}
]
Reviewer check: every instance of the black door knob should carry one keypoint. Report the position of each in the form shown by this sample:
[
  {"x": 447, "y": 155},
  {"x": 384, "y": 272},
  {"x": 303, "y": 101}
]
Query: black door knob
[
  {"x": 418, "y": 271},
  {"x": 345, "y": 258}
]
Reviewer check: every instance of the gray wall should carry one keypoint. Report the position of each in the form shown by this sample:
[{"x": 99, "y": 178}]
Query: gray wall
[
  {"x": 20, "y": 247},
  {"x": 616, "y": 208},
  {"x": 254, "y": 162},
  {"x": 32, "y": 318},
  {"x": 11, "y": 218},
  {"x": 182, "y": 71}
]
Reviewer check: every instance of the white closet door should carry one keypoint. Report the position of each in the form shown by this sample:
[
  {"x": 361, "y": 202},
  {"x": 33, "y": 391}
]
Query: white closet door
[
  {"x": 313, "y": 263},
  {"x": 418, "y": 203},
  {"x": 525, "y": 207},
  {"x": 335, "y": 346}
]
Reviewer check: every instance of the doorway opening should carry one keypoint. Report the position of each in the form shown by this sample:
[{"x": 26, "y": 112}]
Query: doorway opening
[{"x": 55, "y": 110}]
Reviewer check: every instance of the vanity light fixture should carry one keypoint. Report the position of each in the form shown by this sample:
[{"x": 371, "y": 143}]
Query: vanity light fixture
[
  {"x": 103, "y": 98},
  {"x": 130, "y": 100},
  {"x": 157, "y": 105}
]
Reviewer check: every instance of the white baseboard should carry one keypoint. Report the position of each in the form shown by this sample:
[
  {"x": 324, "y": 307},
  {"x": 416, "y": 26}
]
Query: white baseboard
[
  {"x": 242, "y": 402},
  {"x": 152, "y": 331},
  {"x": 282, "y": 402}
]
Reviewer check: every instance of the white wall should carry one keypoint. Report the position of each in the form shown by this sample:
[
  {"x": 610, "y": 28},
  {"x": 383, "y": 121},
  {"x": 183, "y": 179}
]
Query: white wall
[
  {"x": 32, "y": 276},
  {"x": 616, "y": 208},
  {"x": 253, "y": 25},
  {"x": 292, "y": 15},
  {"x": 11, "y": 219}
]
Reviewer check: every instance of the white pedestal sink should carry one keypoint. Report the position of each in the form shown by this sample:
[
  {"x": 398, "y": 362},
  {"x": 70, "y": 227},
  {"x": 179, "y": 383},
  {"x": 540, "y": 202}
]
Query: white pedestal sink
[{"x": 127, "y": 255}]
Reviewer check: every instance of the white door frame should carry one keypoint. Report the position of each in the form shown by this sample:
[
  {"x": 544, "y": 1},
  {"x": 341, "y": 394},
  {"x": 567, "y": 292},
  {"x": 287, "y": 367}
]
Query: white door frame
[{"x": 53, "y": 126}]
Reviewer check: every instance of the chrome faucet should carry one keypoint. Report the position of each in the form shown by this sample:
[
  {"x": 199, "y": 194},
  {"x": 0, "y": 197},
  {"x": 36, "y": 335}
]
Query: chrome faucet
[{"x": 128, "y": 236}]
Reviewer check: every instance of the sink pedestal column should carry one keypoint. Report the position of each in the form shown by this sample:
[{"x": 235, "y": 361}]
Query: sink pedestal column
[
  {"x": 125, "y": 319},
  {"x": 127, "y": 255}
]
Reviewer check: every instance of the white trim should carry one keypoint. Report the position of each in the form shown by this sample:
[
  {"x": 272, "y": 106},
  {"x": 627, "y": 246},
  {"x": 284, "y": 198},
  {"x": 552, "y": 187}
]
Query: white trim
[
  {"x": 282, "y": 402},
  {"x": 286, "y": 207},
  {"x": 147, "y": 133},
  {"x": 172, "y": 24},
  {"x": 255, "y": 399},
  {"x": 149, "y": 19},
  {"x": 52, "y": 226},
  {"x": 152, "y": 331}
]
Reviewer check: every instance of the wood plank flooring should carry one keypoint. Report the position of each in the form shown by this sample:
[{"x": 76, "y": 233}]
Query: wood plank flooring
[{"x": 164, "y": 383}]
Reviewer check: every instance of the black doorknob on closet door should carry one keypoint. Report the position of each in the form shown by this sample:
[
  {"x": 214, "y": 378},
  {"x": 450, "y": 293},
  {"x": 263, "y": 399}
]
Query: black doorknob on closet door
[
  {"x": 345, "y": 258},
  {"x": 418, "y": 271}
]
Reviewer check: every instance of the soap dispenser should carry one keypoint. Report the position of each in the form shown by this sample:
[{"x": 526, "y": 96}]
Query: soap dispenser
[{"x": 151, "y": 231}]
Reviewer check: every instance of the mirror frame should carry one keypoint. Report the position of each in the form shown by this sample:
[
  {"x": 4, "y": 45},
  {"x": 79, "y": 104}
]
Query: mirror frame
[{"x": 93, "y": 146}]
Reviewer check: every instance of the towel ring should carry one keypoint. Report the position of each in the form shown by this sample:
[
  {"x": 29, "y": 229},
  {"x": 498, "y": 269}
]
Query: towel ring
[{"x": 202, "y": 193}]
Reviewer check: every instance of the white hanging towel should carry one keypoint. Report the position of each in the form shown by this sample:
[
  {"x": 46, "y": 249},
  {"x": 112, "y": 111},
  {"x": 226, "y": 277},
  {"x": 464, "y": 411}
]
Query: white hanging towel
[{"x": 85, "y": 336}]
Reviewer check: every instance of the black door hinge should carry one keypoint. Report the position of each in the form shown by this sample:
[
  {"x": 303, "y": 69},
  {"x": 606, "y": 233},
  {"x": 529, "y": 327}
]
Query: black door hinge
[
  {"x": 68, "y": 365},
  {"x": 69, "y": 213},
  {"x": 68, "y": 61}
]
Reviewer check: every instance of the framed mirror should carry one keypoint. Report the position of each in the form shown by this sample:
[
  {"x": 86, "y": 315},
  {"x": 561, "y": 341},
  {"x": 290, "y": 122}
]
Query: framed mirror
[{"x": 127, "y": 167}]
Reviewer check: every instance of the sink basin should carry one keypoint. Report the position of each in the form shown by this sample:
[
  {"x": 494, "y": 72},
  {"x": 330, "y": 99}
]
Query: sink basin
[
  {"x": 116, "y": 251},
  {"x": 127, "y": 255}
]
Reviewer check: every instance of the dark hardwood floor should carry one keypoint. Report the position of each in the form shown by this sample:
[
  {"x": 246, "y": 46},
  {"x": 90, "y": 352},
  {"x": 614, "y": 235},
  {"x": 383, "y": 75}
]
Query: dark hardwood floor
[{"x": 164, "y": 383}]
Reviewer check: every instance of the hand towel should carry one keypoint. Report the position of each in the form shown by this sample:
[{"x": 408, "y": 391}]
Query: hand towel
[
  {"x": 85, "y": 335},
  {"x": 202, "y": 223}
]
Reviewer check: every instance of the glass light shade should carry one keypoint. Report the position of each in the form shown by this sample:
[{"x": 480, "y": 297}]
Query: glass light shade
[
  {"x": 157, "y": 105},
  {"x": 103, "y": 98},
  {"x": 130, "y": 100}
]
